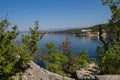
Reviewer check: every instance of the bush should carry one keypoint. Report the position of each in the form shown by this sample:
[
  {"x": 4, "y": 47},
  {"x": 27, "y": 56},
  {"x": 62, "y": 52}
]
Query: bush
[
  {"x": 54, "y": 59},
  {"x": 14, "y": 58},
  {"x": 109, "y": 62},
  {"x": 62, "y": 64},
  {"x": 77, "y": 62}
]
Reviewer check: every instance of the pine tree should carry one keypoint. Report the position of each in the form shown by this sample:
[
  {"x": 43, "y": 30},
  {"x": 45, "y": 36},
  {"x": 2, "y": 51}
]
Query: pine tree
[
  {"x": 109, "y": 53},
  {"x": 15, "y": 58}
]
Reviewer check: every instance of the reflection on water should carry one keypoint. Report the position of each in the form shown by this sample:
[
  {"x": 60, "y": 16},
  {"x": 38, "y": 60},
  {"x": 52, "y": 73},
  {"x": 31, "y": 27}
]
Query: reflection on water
[{"x": 89, "y": 43}]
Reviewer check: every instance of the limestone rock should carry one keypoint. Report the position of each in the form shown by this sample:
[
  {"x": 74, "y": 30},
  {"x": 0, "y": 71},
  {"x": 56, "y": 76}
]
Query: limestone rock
[
  {"x": 88, "y": 73},
  {"x": 91, "y": 73},
  {"x": 37, "y": 73},
  {"x": 108, "y": 77}
]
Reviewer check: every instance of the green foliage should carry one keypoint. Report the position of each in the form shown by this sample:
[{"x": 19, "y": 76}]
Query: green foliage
[
  {"x": 83, "y": 59},
  {"x": 50, "y": 47},
  {"x": 109, "y": 62},
  {"x": 73, "y": 63},
  {"x": 54, "y": 59},
  {"x": 109, "y": 54},
  {"x": 77, "y": 62},
  {"x": 14, "y": 58},
  {"x": 61, "y": 62},
  {"x": 30, "y": 41},
  {"x": 95, "y": 28},
  {"x": 114, "y": 23}
]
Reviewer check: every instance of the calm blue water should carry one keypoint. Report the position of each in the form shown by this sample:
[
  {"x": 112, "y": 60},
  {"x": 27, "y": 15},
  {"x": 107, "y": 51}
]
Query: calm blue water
[{"x": 77, "y": 43}]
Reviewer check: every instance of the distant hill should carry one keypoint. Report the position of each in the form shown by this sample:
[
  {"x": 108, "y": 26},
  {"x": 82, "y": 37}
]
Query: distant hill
[
  {"x": 96, "y": 27},
  {"x": 78, "y": 30}
]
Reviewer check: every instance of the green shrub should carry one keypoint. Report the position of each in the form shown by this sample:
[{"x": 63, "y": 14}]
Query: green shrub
[
  {"x": 54, "y": 59},
  {"x": 14, "y": 58},
  {"x": 109, "y": 62}
]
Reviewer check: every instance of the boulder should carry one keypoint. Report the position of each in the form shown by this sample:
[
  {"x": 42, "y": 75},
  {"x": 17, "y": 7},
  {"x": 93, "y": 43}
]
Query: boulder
[
  {"x": 108, "y": 77},
  {"x": 87, "y": 73},
  {"x": 35, "y": 72}
]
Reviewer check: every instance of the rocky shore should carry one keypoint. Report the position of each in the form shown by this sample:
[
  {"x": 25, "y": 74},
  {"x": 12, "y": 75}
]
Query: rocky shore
[{"x": 35, "y": 72}]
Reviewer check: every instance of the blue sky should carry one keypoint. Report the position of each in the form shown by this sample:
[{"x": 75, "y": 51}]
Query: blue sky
[{"x": 54, "y": 14}]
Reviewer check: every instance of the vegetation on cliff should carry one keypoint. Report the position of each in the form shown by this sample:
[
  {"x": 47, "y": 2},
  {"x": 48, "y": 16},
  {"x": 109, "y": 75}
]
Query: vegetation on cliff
[
  {"x": 109, "y": 53},
  {"x": 64, "y": 62},
  {"x": 15, "y": 55}
]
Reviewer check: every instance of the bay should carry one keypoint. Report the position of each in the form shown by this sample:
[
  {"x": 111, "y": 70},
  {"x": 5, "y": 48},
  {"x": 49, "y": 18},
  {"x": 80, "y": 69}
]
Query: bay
[{"x": 89, "y": 43}]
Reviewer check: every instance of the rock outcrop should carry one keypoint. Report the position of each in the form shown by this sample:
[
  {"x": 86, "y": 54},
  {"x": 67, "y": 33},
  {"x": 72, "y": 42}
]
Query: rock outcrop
[
  {"x": 108, "y": 77},
  {"x": 91, "y": 73},
  {"x": 37, "y": 73},
  {"x": 87, "y": 73}
]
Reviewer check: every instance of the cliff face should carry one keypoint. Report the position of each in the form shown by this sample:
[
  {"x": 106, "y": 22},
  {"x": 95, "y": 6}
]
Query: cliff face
[{"x": 37, "y": 73}]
